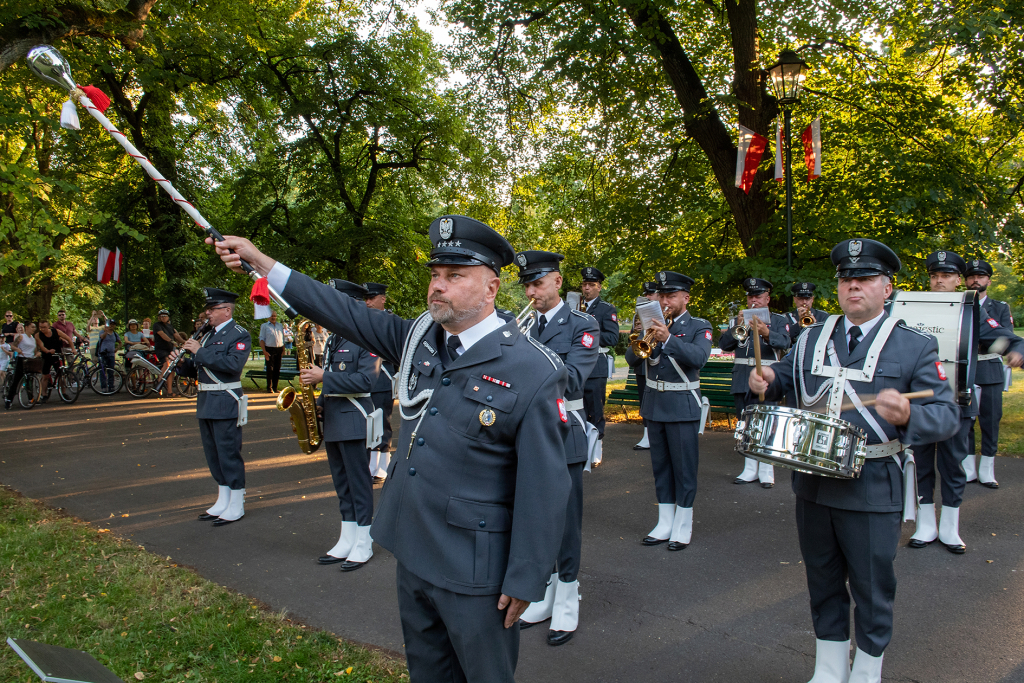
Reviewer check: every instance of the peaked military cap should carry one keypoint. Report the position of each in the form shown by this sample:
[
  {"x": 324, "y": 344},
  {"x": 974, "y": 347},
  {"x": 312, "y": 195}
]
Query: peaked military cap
[
  {"x": 755, "y": 285},
  {"x": 650, "y": 287},
  {"x": 216, "y": 296},
  {"x": 670, "y": 281},
  {"x": 591, "y": 274},
  {"x": 978, "y": 267},
  {"x": 350, "y": 288},
  {"x": 463, "y": 241},
  {"x": 375, "y": 289},
  {"x": 533, "y": 265},
  {"x": 945, "y": 262},
  {"x": 804, "y": 289},
  {"x": 864, "y": 258}
]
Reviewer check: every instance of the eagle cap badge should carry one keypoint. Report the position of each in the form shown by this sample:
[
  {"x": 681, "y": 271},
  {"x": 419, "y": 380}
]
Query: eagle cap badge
[
  {"x": 663, "y": 276},
  {"x": 941, "y": 256},
  {"x": 447, "y": 228},
  {"x": 975, "y": 263},
  {"x": 521, "y": 260},
  {"x": 855, "y": 247}
]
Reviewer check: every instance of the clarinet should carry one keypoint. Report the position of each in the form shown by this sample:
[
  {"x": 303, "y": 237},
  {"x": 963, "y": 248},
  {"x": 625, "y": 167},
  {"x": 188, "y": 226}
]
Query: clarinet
[{"x": 203, "y": 329}]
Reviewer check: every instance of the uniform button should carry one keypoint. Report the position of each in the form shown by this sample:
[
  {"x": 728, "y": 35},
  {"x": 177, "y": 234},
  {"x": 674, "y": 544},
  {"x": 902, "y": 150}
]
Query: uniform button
[
  {"x": 412, "y": 471},
  {"x": 420, "y": 441},
  {"x": 482, "y": 524},
  {"x": 446, "y": 381},
  {"x": 490, "y": 398},
  {"x": 433, "y": 411}
]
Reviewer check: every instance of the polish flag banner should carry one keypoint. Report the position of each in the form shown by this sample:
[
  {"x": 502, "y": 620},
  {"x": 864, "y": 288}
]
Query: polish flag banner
[
  {"x": 749, "y": 151},
  {"x": 108, "y": 266},
  {"x": 779, "y": 176},
  {"x": 812, "y": 149}
]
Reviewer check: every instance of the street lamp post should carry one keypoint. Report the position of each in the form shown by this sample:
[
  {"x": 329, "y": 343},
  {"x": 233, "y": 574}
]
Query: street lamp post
[{"x": 787, "y": 78}]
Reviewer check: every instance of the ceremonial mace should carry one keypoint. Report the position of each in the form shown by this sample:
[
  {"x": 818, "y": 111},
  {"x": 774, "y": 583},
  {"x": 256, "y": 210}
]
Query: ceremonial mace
[{"x": 51, "y": 66}]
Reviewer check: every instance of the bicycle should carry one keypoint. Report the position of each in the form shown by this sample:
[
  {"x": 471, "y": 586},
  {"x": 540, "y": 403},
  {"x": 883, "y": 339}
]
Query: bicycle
[
  {"x": 145, "y": 372},
  {"x": 68, "y": 384},
  {"x": 106, "y": 380},
  {"x": 28, "y": 390}
]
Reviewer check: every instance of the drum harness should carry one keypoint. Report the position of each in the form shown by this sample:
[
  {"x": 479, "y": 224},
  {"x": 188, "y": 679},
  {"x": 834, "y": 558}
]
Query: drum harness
[{"x": 838, "y": 384}]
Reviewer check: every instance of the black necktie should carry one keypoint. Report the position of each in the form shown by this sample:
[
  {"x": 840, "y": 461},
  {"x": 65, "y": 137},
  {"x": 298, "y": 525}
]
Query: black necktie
[
  {"x": 543, "y": 322},
  {"x": 854, "y": 337},
  {"x": 453, "y": 346}
]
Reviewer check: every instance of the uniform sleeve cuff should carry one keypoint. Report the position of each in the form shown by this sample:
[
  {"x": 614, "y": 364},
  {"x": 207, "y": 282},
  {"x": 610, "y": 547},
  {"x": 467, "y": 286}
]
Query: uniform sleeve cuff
[{"x": 278, "y": 276}]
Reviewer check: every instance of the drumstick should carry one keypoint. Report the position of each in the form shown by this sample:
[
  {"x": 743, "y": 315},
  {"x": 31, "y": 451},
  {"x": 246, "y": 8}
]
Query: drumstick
[
  {"x": 873, "y": 400},
  {"x": 756, "y": 341}
]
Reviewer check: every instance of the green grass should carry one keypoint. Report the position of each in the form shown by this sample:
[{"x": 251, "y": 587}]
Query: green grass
[
  {"x": 1011, "y": 428},
  {"x": 67, "y": 583}
]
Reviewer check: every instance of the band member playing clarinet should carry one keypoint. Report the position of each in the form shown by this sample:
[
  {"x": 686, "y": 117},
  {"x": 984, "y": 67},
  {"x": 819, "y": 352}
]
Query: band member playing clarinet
[
  {"x": 474, "y": 508},
  {"x": 849, "y": 528},
  {"x": 221, "y": 407}
]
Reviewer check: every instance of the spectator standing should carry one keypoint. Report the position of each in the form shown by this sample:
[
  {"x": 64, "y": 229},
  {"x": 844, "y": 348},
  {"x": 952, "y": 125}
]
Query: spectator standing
[
  {"x": 164, "y": 338},
  {"x": 10, "y": 327},
  {"x": 94, "y": 328},
  {"x": 6, "y": 352},
  {"x": 147, "y": 331},
  {"x": 289, "y": 339},
  {"x": 24, "y": 346},
  {"x": 272, "y": 343},
  {"x": 49, "y": 342},
  {"x": 106, "y": 349},
  {"x": 319, "y": 340},
  {"x": 67, "y": 327}
]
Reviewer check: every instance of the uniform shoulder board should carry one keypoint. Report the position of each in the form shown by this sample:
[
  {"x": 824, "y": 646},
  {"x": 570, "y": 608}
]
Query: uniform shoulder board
[
  {"x": 701, "y": 320},
  {"x": 580, "y": 314},
  {"x": 552, "y": 357},
  {"x": 241, "y": 329},
  {"x": 914, "y": 330}
]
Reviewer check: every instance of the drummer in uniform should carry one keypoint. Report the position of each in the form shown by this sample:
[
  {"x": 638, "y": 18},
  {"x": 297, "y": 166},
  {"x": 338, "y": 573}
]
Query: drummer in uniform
[
  {"x": 944, "y": 271},
  {"x": 849, "y": 529},
  {"x": 774, "y": 340},
  {"x": 990, "y": 379},
  {"x": 383, "y": 391},
  {"x": 674, "y": 409},
  {"x": 607, "y": 317},
  {"x": 573, "y": 335},
  {"x": 803, "y": 302},
  {"x": 650, "y": 292}
]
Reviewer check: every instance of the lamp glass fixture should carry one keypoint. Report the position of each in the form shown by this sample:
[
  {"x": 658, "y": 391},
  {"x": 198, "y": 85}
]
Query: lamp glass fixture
[{"x": 787, "y": 77}]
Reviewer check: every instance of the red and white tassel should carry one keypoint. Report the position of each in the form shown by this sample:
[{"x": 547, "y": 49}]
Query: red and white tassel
[
  {"x": 69, "y": 113},
  {"x": 260, "y": 297}
]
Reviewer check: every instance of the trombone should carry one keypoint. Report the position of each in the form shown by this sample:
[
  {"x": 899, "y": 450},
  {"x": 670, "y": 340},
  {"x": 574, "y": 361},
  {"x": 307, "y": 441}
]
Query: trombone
[
  {"x": 643, "y": 347},
  {"x": 526, "y": 319}
]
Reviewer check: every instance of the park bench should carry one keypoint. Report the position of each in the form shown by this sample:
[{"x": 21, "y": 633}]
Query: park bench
[
  {"x": 289, "y": 371},
  {"x": 715, "y": 384}
]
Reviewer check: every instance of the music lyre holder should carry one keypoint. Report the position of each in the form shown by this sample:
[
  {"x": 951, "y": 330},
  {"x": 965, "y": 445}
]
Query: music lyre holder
[{"x": 55, "y": 664}]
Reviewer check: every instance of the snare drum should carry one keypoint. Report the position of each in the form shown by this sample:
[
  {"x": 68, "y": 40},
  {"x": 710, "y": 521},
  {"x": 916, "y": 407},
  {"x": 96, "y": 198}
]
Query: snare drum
[{"x": 801, "y": 440}]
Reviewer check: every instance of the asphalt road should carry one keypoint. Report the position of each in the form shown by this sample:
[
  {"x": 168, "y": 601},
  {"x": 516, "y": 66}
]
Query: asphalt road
[{"x": 731, "y": 607}]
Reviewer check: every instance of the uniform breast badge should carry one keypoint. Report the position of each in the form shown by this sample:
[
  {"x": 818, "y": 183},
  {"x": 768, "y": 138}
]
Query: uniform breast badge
[
  {"x": 487, "y": 417},
  {"x": 341, "y": 366}
]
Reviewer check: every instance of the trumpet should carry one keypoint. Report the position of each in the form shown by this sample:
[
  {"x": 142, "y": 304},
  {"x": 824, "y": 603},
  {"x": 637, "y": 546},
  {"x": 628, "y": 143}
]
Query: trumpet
[
  {"x": 526, "y": 319},
  {"x": 741, "y": 332},
  {"x": 806, "y": 317},
  {"x": 643, "y": 347}
]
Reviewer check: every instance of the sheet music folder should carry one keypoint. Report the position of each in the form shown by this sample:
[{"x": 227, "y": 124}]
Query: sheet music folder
[{"x": 60, "y": 664}]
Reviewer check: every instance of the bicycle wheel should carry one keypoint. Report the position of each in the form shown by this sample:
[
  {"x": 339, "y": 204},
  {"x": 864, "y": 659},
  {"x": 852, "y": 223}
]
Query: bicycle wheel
[
  {"x": 186, "y": 386},
  {"x": 68, "y": 386},
  {"x": 28, "y": 392},
  {"x": 140, "y": 382},
  {"x": 105, "y": 381}
]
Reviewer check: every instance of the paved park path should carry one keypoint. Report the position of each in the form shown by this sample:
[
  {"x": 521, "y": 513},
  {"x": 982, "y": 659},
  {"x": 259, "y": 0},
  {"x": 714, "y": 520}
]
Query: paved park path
[{"x": 731, "y": 607}]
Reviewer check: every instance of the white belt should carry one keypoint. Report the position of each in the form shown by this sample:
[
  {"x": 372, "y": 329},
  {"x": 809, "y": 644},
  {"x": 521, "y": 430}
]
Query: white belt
[
  {"x": 574, "y": 405},
  {"x": 989, "y": 356},
  {"x": 604, "y": 349},
  {"x": 753, "y": 361},
  {"x": 659, "y": 385},
  {"x": 883, "y": 450},
  {"x": 220, "y": 386},
  {"x": 347, "y": 395}
]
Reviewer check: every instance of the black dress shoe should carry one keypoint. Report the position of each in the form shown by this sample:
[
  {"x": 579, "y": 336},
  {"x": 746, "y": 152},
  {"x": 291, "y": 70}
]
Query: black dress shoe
[
  {"x": 767, "y": 485},
  {"x": 329, "y": 559},
  {"x": 523, "y": 625},
  {"x": 677, "y": 545},
  {"x": 990, "y": 484},
  {"x": 638, "y": 447},
  {"x": 918, "y": 543},
  {"x": 737, "y": 480},
  {"x": 560, "y": 637},
  {"x": 956, "y": 549},
  {"x": 207, "y": 517},
  {"x": 220, "y": 521},
  {"x": 347, "y": 566},
  {"x": 651, "y": 540}
]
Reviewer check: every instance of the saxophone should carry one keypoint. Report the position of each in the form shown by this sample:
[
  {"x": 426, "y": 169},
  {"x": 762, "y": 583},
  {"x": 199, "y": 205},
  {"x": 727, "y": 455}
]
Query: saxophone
[{"x": 302, "y": 404}]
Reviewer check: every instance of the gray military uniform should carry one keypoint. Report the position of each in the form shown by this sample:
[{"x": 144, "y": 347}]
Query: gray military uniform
[
  {"x": 348, "y": 370},
  {"x": 474, "y": 504},
  {"x": 223, "y": 353},
  {"x": 838, "y": 540},
  {"x": 673, "y": 416},
  {"x": 991, "y": 379},
  {"x": 574, "y": 337},
  {"x": 778, "y": 341},
  {"x": 595, "y": 388},
  {"x": 383, "y": 398}
]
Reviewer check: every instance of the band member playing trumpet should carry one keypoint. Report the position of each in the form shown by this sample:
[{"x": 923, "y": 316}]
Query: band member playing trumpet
[
  {"x": 804, "y": 314},
  {"x": 348, "y": 377},
  {"x": 650, "y": 291},
  {"x": 574, "y": 337},
  {"x": 673, "y": 407},
  {"x": 740, "y": 339},
  {"x": 849, "y": 529},
  {"x": 607, "y": 317}
]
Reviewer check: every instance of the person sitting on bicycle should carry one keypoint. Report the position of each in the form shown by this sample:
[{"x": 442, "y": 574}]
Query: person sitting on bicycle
[
  {"x": 134, "y": 336},
  {"x": 49, "y": 342},
  {"x": 24, "y": 346},
  {"x": 106, "y": 349}
]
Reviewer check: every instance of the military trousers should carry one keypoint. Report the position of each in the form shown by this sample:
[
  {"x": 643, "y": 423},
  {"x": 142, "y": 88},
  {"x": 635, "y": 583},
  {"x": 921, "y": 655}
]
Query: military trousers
[
  {"x": 572, "y": 535},
  {"x": 990, "y": 412},
  {"x": 848, "y": 545},
  {"x": 454, "y": 638},
  {"x": 947, "y": 456},
  {"x": 350, "y": 471},
  {"x": 594, "y": 390},
  {"x": 386, "y": 402},
  {"x": 222, "y": 444},
  {"x": 674, "y": 457}
]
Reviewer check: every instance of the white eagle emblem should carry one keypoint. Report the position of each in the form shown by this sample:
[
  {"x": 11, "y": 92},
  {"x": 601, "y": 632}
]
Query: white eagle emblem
[
  {"x": 753, "y": 282},
  {"x": 446, "y": 228},
  {"x": 941, "y": 256},
  {"x": 975, "y": 263},
  {"x": 855, "y": 247},
  {"x": 521, "y": 260},
  {"x": 663, "y": 276}
]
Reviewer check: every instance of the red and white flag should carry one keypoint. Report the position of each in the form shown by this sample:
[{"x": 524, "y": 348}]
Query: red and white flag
[
  {"x": 749, "y": 151},
  {"x": 812, "y": 149},
  {"x": 779, "y": 175},
  {"x": 108, "y": 265}
]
